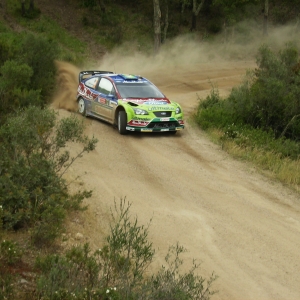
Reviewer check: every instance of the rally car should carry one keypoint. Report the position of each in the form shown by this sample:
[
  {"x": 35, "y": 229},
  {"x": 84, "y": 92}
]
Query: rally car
[{"x": 130, "y": 102}]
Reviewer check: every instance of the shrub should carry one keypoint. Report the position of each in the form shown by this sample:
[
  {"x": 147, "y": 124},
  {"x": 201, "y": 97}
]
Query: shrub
[
  {"x": 119, "y": 270},
  {"x": 7, "y": 290},
  {"x": 14, "y": 93},
  {"x": 212, "y": 111},
  {"x": 269, "y": 97},
  {"x": 169, "y": 283},
  {"x": 33, "y": 160},
  {"x": 40, "y": 53},
  {"x": 10, "y": 252}
]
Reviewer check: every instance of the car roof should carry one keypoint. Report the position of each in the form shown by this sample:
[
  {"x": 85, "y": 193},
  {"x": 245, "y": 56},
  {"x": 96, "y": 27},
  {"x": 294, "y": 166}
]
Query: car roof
[{"x": 126, "y": 78}]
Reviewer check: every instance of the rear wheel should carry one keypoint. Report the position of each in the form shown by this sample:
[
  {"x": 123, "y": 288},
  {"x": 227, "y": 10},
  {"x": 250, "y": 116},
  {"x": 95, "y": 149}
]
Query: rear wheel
[
  {"x": 81, "y": 106},
  {"x": 122, "y": 121}
]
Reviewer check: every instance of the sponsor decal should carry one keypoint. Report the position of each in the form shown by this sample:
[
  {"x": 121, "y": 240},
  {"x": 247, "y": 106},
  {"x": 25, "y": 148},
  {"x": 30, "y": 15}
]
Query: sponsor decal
[
  {"x": 142, "y": 119},
  {"x": 155, "y": 102},
  {"x": 101, "y": 100},
  {"x": 167, "y": 108},
  {"x": 86, "y": 92},
  {"x": 138, "y": 123}
]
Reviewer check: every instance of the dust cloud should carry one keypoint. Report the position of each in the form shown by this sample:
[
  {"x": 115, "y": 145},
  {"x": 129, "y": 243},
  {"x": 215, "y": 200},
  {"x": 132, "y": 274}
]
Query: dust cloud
[
  {"x": 186, "y": 53},
  {"x": 66, "y": 88},
  {"x": 189, "y": 51}
]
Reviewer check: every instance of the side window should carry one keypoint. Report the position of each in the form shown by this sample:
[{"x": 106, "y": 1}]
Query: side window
[
  {"x": 106, "y": 87},
  {"x": 92, "y": 82}
]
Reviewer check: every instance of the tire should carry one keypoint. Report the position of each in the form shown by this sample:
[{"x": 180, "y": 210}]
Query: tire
[
  {"x": 82, "y": 107},
  {"x": 122, "y": 122},
  {"x": 173, "y": 132}
]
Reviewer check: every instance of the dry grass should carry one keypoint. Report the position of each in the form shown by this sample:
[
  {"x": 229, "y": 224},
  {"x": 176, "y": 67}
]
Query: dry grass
[{"x": 285, "y": 170}]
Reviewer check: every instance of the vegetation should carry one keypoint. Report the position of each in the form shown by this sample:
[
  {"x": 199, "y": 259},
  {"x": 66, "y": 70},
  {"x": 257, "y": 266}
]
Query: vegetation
[
  {"x": 118, "y": 270},
  {"x": 33, "y": 193},
  {"x": 260, "y": 120}
]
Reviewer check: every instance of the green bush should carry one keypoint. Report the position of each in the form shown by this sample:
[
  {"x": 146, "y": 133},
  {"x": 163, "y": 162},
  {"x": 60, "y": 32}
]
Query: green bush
[
  {"x": 212, "y": 111},
  {"x": 170, "y": 283},
  {"x": 27, "y": 71},
  {"x": 40, "y": 53},
  {"x": 33, "y": 160},
  {"x": 7, "y": 289},
  {"x": 10, "y": 252},
  {"x": 119, "y": 270},
  {"x": 14, "y": 93},
  {"x": 269, "y": 97}
]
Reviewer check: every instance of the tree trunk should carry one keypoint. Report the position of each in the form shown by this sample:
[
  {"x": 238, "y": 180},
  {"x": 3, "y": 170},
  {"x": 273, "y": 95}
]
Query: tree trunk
[
  {"x": 23, "y": 8},
  {"x": 195, "y": 12},
  {"x": 157, "y": 28},
  {"x": 31, "y": 5},
  {"x": 102, "y": 6},
  {"x": 266, "y": 15},
  {"x": 166, "y": 24}
]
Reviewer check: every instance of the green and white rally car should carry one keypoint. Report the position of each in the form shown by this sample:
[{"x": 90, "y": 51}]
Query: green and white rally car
[{"x": 130, "y": 102}]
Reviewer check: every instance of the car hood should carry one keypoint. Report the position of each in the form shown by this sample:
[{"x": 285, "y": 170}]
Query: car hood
[{"x": 147, "y": 101}]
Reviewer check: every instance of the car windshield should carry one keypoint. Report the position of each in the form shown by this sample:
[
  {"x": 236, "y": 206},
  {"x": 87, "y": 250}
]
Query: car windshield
[{"x": 138, "y": 90}]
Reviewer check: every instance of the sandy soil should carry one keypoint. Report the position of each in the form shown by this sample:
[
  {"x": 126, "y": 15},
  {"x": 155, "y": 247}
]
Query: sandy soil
[{"x": 239, "y": 224}]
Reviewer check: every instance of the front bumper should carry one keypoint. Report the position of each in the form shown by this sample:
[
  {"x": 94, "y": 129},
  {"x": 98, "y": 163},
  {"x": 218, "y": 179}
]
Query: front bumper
[{"x": 156, "y": 125}]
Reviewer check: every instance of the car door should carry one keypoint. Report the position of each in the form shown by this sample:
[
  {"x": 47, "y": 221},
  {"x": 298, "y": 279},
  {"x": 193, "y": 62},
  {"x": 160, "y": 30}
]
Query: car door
[
  {"x": 104, "y": 104},
  {"x": 90, "y": 94}
]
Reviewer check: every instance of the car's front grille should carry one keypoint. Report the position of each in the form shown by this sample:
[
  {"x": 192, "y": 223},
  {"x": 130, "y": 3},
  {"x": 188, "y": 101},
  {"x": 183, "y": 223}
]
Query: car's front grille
[
  {"x": 163, "y": 114},
  {"x": 162, "y": 125}
]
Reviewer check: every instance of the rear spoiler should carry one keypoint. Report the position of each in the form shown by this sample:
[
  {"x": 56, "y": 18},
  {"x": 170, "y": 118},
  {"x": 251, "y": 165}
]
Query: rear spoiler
[{"x": 86, "y": 74}]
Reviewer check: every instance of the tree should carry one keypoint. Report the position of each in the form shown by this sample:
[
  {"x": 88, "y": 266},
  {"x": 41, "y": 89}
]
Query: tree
[
  {"x": 31, "y": 8},
  {"x": 232, "y": 11},
  {"x": 157, "y": 27},
  {"x": 31, "y": 5},
  {"x": 266, "y": 15},
  {"x": 23, "y": 10},
  {"x": 196, "y": 9}
]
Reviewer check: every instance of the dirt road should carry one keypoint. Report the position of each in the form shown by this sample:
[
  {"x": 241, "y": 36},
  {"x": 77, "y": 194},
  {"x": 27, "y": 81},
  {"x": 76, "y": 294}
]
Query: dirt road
[{"x": 241, "y": 225}]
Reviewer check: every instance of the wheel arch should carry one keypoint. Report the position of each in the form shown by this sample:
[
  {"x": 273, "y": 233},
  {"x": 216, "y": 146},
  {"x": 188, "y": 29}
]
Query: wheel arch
[{"x": 119, "y": 108}]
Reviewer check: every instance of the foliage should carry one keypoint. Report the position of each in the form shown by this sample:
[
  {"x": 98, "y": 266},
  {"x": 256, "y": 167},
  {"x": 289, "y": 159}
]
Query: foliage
[
  {"x": 10, "y": 252},
  {"x": 260, "y": 120},
  {"x": 27, "y": 73},
  {"x": 7, "y": 290},
  {"x": 118, "y": 270},
  {"x": 32, "y": 190},
  {"x": 211, "y": 111},
  {"x": 169, "y": 283},
  {"x": 128, "y": 252},
  {"x": 232, "y": 10},
  {"x": 268, "y": 99}
]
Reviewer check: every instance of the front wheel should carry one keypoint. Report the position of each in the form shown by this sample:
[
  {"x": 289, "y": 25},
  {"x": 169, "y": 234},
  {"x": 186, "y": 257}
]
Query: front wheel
[
  {"x": 122, "y": 121},
  {"x": 82, "y": 107}
]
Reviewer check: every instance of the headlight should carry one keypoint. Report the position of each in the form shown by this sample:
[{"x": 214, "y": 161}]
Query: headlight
[
  {"x": 178, "y": 110},
  {"x": 139, "y": 111}
]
